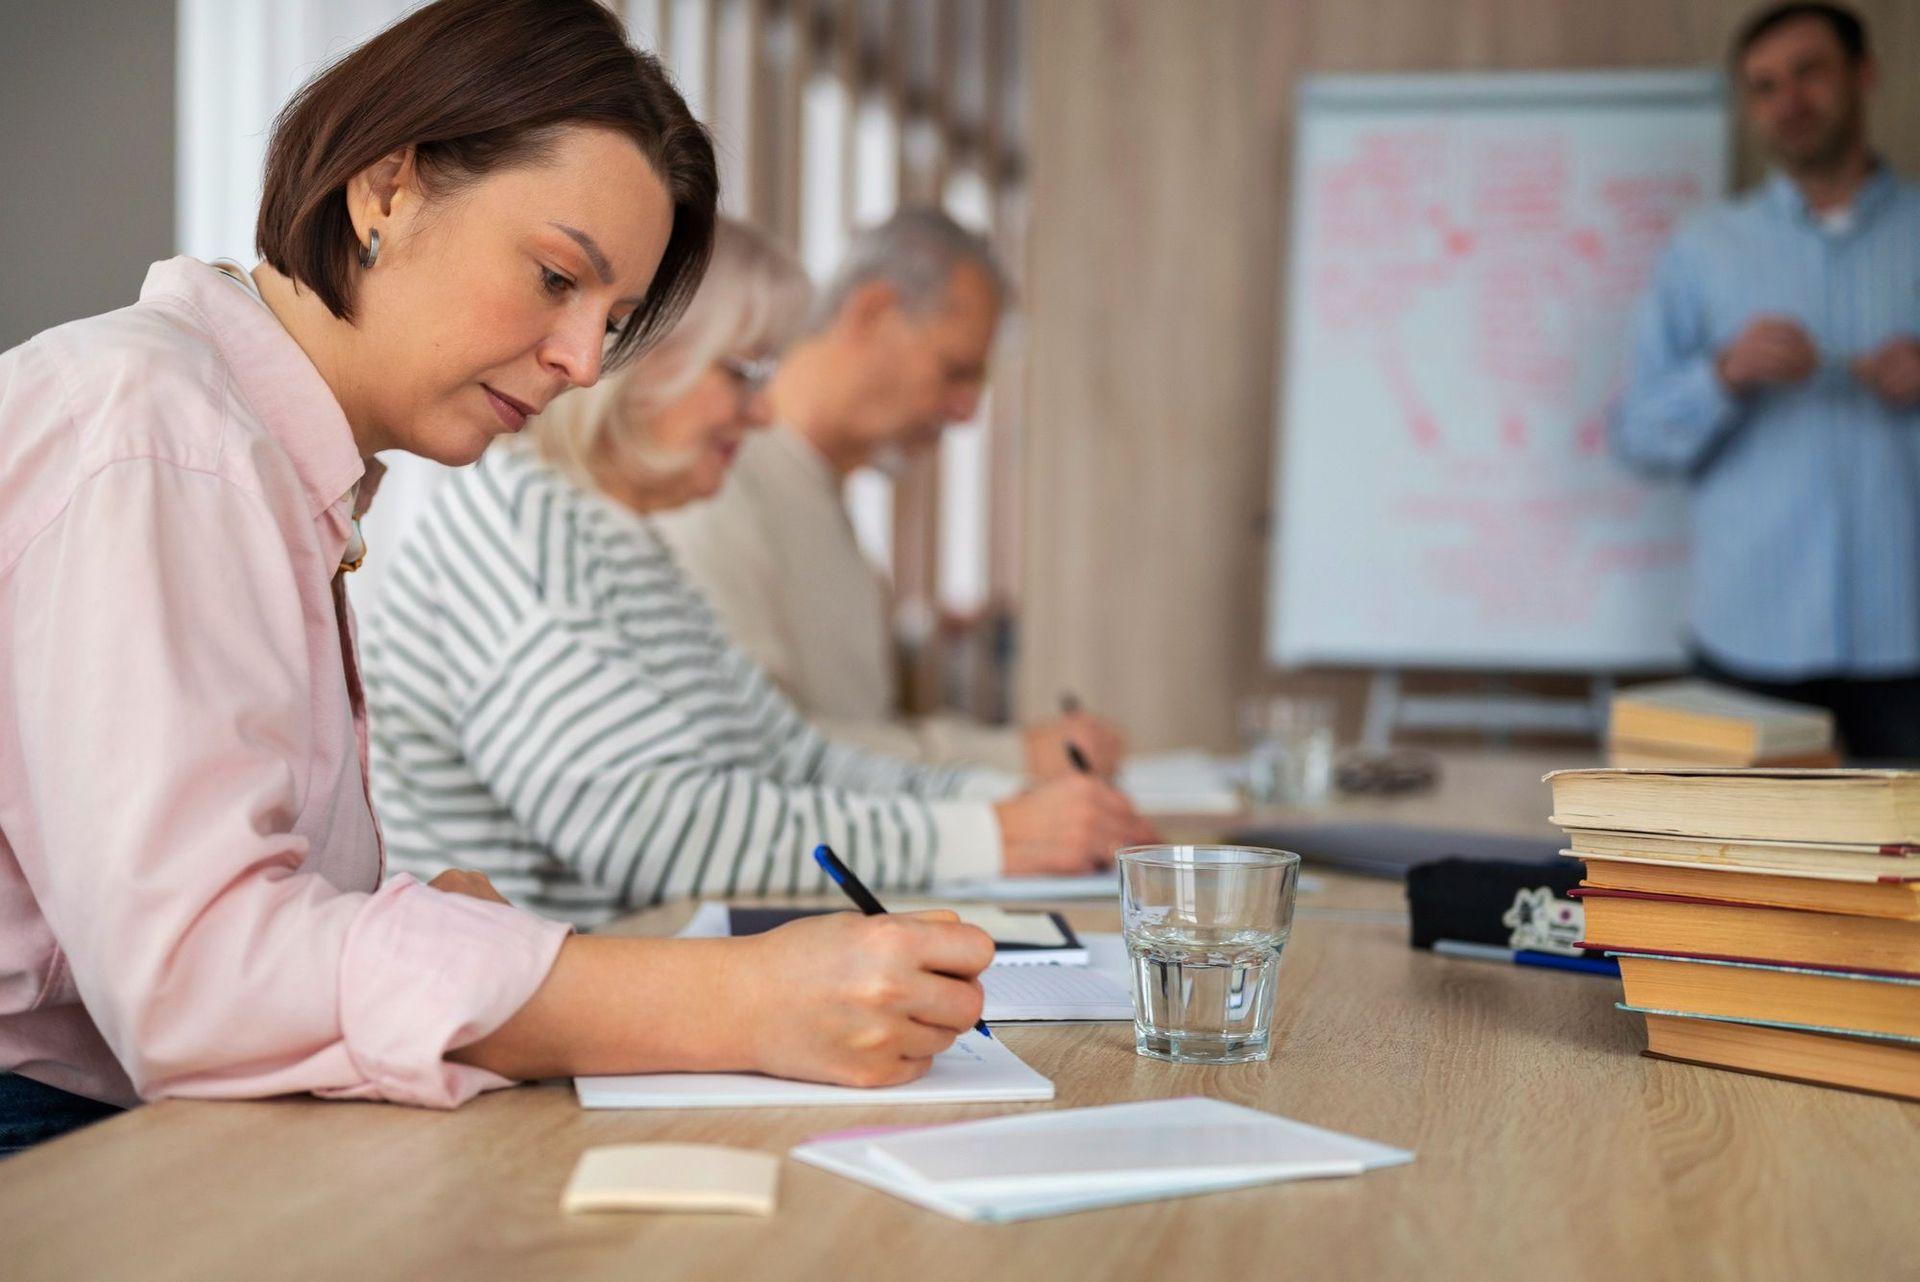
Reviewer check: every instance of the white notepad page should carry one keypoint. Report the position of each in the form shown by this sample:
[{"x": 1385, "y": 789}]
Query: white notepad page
[
  {"x": 1096, "y": 991},
  {"x": 1052, "y": 992},
  {"x": 974, "y": 1068}
]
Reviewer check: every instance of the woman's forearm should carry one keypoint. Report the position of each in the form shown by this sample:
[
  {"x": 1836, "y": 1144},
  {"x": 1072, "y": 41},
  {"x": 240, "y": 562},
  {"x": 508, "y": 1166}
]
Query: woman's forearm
[
  {"x": 612, "y": 1005},
  {"x": 860, "y": 1001}
]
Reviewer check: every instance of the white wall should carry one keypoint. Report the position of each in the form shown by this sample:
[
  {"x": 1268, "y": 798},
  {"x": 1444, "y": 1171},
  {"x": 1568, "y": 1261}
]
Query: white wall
[{"x": 86, "y": 144}]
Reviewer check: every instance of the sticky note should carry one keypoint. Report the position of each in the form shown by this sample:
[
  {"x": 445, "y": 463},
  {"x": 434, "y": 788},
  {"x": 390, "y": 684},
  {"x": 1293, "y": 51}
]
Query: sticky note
[{"x": 673, "y": 1177}]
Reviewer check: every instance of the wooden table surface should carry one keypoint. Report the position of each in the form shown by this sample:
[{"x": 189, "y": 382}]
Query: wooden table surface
[{"x": 1546, "y": 1146}]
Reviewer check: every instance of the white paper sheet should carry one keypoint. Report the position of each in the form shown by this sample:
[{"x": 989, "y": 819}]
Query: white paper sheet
[
  {"x": 1190, "y": 782},
  {"x": 974, "y": 1068},
  {"x": 890, "y": 1162},
  {"x": 1053, "y": 993}
]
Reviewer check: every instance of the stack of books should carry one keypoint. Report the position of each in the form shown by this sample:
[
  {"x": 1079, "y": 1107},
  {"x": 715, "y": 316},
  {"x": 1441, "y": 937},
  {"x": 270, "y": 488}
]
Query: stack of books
[
  {"x": 1697, "y": 723},
  {"x": 1764, "y": 920}
]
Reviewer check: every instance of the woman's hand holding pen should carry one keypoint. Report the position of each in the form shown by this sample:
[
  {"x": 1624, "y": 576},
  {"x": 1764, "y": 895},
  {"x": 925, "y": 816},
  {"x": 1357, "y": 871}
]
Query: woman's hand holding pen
[
  {"x": 1072, "y": 824},
  {"x": 860, "y": 1001},
  {"x": 1046, "y": 746}
]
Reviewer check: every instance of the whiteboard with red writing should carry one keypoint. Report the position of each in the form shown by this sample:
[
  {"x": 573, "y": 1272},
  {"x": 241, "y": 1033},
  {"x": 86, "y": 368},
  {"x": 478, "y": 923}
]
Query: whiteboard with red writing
[{"x": 1467, "y": 253}]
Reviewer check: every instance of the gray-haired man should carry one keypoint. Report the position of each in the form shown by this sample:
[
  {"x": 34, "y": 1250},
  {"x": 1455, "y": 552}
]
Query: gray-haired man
[{"x": 898, "y": 349}]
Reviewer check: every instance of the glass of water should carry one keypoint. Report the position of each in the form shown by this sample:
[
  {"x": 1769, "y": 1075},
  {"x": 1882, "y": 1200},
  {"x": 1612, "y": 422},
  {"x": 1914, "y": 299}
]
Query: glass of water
[
  {"x": 1290, "y": 749},
  {"x": 1204, "y": 927}
]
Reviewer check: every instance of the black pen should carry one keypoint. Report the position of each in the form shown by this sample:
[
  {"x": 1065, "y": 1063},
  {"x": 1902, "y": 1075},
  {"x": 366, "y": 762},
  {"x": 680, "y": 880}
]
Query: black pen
[
  {"x": 863, "y": 898},
  {"x": 1070, "y": 706}
]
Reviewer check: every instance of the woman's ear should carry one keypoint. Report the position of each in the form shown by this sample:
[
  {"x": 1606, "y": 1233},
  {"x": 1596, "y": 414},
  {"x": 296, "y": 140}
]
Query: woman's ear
[{"x": 374, "y": 193}]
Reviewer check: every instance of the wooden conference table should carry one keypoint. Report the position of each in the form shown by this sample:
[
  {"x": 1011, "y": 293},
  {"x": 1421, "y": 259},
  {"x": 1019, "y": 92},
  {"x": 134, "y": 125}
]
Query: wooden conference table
[{"x": 1546, "y": 1146}]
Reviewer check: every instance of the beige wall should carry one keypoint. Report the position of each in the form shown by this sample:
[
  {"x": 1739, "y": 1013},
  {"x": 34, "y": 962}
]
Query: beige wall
[
  {"x": 1160, "y": 142},
  {"x": 86, "y": 147}
]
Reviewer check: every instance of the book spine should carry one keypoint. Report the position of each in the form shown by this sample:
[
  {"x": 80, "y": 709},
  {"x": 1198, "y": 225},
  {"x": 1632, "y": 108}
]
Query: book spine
[{"x": 1777, "y": 963}]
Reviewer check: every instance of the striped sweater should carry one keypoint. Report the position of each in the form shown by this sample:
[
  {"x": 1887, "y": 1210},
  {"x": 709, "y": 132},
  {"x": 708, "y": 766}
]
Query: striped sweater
[{"x": 553, "y": 704}]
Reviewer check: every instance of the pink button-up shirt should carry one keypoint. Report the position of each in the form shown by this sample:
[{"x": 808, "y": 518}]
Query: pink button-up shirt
[{"x": 190, "y": 874}]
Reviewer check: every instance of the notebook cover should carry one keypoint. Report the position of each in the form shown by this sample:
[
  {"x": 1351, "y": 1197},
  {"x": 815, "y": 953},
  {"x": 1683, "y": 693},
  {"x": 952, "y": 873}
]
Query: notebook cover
[
  {"x": 1501, "y": 903},
  {"x": 757, "y": 921}
]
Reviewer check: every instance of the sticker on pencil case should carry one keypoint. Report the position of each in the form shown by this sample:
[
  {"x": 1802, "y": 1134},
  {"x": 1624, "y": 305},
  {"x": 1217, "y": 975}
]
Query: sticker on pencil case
[{"x": 1543, "y": 923}]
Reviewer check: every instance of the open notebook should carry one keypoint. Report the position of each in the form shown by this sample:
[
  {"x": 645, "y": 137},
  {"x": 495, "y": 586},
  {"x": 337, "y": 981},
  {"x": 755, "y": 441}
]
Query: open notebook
[
  {"x": 974, "y": 1069},
  {"x": 1096, "y": 990}
]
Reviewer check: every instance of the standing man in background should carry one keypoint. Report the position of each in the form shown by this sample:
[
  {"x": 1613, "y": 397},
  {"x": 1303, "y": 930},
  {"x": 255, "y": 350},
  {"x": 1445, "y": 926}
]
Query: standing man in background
[
  {"x": 896, "y": 351},
  {"x": 1776, "y": 366}
]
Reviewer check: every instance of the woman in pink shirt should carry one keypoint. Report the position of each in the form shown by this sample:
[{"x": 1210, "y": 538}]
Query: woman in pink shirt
[{"x": 475, "y": 211}]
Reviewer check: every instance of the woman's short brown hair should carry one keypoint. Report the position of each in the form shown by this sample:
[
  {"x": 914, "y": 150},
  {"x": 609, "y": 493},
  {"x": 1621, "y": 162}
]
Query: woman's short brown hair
[{"x": 472, "y": 86}]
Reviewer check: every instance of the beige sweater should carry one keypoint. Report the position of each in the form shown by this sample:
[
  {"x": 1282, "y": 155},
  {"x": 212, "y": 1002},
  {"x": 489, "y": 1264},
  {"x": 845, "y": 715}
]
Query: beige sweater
[{"x": 777, "y": 559}]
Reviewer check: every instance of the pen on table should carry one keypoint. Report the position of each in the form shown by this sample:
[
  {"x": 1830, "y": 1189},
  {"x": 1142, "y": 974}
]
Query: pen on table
[
  {"x": 1526, "y": 957},
  {"x": 862, "y": 898}
]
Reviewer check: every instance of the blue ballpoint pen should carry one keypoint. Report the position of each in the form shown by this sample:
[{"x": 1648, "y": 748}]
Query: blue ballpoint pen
[{"x": 862, "y": 898}]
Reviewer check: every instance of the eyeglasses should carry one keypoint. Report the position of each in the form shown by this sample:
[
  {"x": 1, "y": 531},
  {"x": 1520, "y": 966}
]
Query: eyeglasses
[{"x": 750, "y": 374}]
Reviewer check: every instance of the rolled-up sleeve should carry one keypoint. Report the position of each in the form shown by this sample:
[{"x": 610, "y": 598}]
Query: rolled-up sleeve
[
  {"x": 162, "y": 683},
  {"x": 1674, "y": 409}
]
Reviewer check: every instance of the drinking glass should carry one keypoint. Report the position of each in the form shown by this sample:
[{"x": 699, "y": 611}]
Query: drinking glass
[
  {"x": 1204, "y": 926},
  {"x": 1290, "y": 749}
]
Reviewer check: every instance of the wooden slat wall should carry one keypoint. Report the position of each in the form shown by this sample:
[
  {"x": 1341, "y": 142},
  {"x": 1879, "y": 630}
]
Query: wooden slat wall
[
  {"x": 756, "y": 59},
  {"x": 1158, "y": 150}
]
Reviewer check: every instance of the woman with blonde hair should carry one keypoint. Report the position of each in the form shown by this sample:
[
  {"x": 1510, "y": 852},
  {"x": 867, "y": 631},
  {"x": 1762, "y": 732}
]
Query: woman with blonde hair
[{"x": 555, "y": 705}]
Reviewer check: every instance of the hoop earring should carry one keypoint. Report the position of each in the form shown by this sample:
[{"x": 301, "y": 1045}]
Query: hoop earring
[{"x": 370, "y": 252}]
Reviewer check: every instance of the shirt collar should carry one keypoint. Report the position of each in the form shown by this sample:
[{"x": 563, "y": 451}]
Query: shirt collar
[
  {"x": 1867, "y": 202},
  {"x": 274, "y": 376},
  {"x": 800, "y": 449}
]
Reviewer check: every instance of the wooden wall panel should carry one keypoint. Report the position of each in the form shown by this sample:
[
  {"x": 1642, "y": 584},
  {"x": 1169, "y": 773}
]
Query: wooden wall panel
[
  {"x": 1151, "y": 259},
  {"x": 1159, "y": 142}
]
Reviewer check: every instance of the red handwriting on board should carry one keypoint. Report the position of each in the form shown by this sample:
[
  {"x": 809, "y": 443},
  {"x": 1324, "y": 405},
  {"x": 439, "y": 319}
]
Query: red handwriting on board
[
  {"x": 1476, "y": 283},
  {"x": 1533, "y": 560},
  {"x": 1539, "y": 260}
]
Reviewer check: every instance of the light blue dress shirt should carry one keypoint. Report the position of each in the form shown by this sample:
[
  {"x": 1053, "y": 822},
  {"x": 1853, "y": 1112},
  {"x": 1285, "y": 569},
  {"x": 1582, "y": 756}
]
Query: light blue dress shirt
[{"x": 1804, "y": 508}]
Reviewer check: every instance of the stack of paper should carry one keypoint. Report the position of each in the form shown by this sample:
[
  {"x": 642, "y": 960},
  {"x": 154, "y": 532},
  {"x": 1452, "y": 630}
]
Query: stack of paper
[
  {"x": 1099, "y": 885},
  {"x": 1179, "y": 783},
  {"x": 1035, "y": 1164}
]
